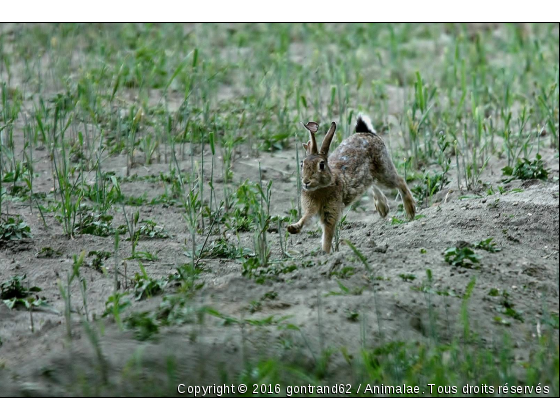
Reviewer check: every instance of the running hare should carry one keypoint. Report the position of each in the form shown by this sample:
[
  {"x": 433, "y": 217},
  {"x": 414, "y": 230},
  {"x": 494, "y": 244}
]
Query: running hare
[{"x": 330, "y": 183}]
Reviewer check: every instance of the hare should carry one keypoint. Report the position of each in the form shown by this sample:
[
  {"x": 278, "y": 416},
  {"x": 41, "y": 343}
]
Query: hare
[{"x": 330, "y": 183}]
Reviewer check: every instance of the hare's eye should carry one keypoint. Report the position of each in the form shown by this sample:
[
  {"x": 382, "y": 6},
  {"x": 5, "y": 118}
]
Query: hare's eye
[{"x": 322, "y": 166}]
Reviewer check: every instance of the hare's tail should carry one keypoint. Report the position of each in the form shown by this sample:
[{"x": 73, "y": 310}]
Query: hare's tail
[{"x": 364, "y": 125}]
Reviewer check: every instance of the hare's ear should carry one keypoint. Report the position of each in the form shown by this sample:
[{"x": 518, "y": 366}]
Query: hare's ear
[
  {"x": 327, "y": 140},
  {"x": 312, "y": 126},
  {"x": 306, "y": 146}
]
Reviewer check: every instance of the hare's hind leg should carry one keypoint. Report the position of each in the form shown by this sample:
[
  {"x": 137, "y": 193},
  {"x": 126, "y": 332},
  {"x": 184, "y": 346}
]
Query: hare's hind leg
[
  {"x": 380, "y": 201},
  {"x": 408, "y": 200},
  {"x": 387, "y": 175},
  {"x": 393, "y": 180}
]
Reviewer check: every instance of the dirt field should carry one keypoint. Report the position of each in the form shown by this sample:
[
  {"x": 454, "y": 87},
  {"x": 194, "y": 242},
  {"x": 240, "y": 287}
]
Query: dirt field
[{"x": 230, "y": 322}]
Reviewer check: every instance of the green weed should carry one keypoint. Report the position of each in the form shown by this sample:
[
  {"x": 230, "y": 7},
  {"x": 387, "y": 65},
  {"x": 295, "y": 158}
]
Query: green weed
[
  {"x": 462, "y": 257},
  {"x": 488, "y": 244},
  {"x": 12, "y": 229},
  {"x": 145, "y": 286},
  {"x": 527, "y": 169},
  {"x": 48, "y": 252}
]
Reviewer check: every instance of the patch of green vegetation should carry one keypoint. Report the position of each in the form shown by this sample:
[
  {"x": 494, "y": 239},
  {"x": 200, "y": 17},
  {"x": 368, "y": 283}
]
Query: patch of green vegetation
[
  {"x": 427, "y": 288},
  {"x": 344, "y": 290},
  {"x": 222, "y": 248},
  {"x": 344, "y": 273},
  {"x": 252, "y": 269},
  {"x": 144, "y": 256},
  {"x": 95, "y": 224},
  {"x": 143, "y": 324},
  {"x": 251, "y": 212},
  {"x": 527, "y": 169},
  {"x": 12, "y": 229},
  {"x": 398, "y": 221},
  {"x": 186, "y": 272},
  {"x": 502, "y": 190},
  {"x": 508, "y": 308},
  {"x": 254, "y": 306},
  {"x": 488, "y": 244},
  {"x": 145, "y": 229},
  {"x": 429, "y": 185},
  {"x": 552, "y": 320},
  {"x": 115, "y": 305},
  {"x": 98, "y": 258},
  {"x": 105, "y": 193},
  {"x": 135, "y": 201},
  {"x": 229, "y": 320},
  {"x": 164, "y": 199},
  {"x": 462, "y": 257},
  {"x": 13, "y": 293},
  {"x": 151, "y": 230},
  {"x": 177, "y": 310},
  {"x": 48, "y": 252},
  {"x": 145, "y": 286},
  {"x": 351, "y": 315},
  {"x": 272, "y": 295},
  {"x": 164, "y": 177},
  {"x": 14, "y": 288}
]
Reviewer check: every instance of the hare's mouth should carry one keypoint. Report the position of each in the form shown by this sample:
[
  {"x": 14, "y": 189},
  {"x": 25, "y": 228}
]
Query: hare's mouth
[{"x": 310, "y": 187}]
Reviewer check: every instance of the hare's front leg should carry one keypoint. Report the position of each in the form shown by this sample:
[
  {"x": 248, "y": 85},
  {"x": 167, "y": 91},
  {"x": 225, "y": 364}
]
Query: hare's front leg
[
  {"x": 309, "y": 210},
  {"x": 329, "y": 218}
]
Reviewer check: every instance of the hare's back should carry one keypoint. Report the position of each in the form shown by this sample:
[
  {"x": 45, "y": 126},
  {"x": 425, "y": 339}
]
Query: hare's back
[
  {"x": 357, "y": 151},
  {"x": 355, "y": 160}
]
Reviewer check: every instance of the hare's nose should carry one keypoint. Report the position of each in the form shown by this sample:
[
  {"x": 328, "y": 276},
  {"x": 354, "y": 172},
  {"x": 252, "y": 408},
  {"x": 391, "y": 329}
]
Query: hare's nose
[{"x": 306, "y": 183}]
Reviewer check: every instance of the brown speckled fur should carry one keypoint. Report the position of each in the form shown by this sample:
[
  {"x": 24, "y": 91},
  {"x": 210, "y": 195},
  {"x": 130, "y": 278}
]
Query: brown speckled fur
[{"x": 358, "y": 163}]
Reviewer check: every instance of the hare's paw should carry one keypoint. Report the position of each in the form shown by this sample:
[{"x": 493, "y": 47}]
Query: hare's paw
[
  {"x": 295, "y": 228},
  {"x": 382, "y": 206},
  {"x": 410, "y": 208}
]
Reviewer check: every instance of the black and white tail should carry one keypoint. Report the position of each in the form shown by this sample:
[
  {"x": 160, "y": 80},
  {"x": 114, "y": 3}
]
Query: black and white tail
[{"x": 364, "y": 125}]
